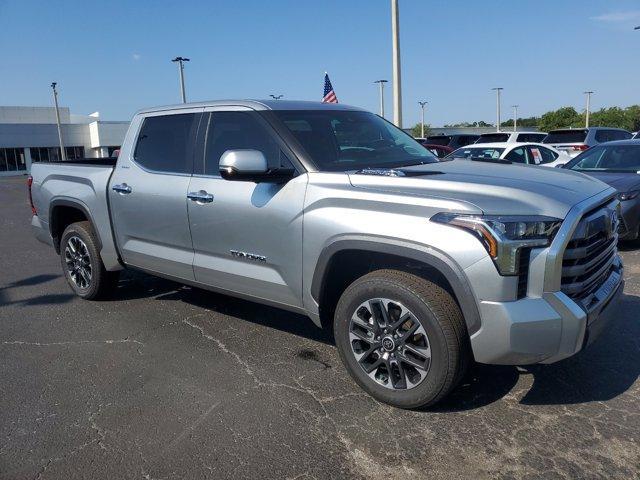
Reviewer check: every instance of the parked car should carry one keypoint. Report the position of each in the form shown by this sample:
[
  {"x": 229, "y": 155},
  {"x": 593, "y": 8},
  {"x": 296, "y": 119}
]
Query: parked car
[
  {"x": 636, "y": 136},
  {"x": 577, "y": 140},
  {"x": 454, "y": 141},
  {"x": 528, "y": 153},
  {"x": 330, "y": 211},
  {"x": 618, "y": 164},
  {"x": 439, "y": 151},
  {"x": 522, "y": 137}
]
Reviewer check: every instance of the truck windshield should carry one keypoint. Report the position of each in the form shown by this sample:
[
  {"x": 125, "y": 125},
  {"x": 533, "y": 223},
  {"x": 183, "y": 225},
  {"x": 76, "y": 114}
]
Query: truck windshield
[{"x": 339, "y": 141}]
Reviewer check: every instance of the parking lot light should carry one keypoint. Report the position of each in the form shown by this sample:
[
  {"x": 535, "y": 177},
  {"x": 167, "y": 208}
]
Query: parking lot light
[
  {"x": 180, "y": 61},
  {"x": 381, "y": 83},
  {"x": 497, "y": 90},
  {"x": 397, "y": 87},
  {"x": 586, "y": 120},
  {"x": 422, "y": 105},
  {"x": 515, "y": 116},
  {"x": 63, "y": 154}
]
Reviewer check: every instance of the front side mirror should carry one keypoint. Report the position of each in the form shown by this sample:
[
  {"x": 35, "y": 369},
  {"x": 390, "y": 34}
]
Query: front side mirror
[{"x": 249, "y": 166}]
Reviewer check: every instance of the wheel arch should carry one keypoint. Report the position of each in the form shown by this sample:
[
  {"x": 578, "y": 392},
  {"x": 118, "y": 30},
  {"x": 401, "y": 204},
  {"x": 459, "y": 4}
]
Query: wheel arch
[
  {"x": 62, "y": 213},
  {"x": 344, "y": 260}
]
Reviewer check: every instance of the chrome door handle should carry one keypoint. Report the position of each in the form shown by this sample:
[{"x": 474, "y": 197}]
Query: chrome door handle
[
  {"x": 121, "y": 188},
  {"x": 200, "y": 196}
]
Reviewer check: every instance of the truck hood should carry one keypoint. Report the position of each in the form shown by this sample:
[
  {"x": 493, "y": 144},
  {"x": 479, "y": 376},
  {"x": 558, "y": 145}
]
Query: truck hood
[
  {"x": 621, "y": 181},
  {"x": 496, "y": 189}
]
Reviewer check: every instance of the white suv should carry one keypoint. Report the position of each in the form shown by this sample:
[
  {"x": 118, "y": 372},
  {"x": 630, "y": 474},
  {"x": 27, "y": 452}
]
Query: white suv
[
  {"x": 509, "y": 137},
  {"x": 514, "y": 152}
]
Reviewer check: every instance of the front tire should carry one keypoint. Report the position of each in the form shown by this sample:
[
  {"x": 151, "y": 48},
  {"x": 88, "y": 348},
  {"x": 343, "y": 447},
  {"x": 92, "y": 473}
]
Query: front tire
[
  {"x": 82, "y": 265},
  {"x": 402, "y": 338}
]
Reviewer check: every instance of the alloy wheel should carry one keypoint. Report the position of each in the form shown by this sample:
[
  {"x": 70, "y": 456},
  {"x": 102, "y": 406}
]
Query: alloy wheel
[
  {"x": 390, "y": 344},
  {"x": 78, "y": 261}
]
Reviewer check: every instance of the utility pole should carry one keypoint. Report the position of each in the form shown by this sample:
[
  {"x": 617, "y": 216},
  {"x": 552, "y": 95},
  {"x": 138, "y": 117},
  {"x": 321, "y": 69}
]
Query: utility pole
[
  {"x": 397, "y": 88},
  {"x": 497, "y": 90},
  {"x": 515, "y": 117},
  {"x": 588, "y": 111},
  {"x": 422, "y": 105},
  {"x": 180, "y": 61},
  {"x": 55, "y": 101},
  {"x": 381, "y": 83},
  {"x": 276, "y": 97}
]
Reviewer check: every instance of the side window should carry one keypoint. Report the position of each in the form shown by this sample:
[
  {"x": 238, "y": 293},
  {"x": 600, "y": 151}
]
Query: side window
[
  {"x": 165, "y": 143},
  {"x": 541, "y": 155},
  {"x": 237, "y": 131},
  {"x": 603, "y": 135},
  {"x": 621, "y": 135},
  {"x": 517, "y": 155}
]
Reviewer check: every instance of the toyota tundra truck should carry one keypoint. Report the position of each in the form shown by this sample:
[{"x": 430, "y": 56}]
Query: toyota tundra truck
[{"x": 420, "y": 267}]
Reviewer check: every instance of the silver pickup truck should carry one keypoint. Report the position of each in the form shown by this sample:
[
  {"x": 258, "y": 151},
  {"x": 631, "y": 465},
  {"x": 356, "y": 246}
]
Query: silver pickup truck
[{"x": 419, "y": 266}]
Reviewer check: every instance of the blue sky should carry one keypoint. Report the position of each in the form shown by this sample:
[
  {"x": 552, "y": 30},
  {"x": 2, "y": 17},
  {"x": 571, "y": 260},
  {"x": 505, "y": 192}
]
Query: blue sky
[{"x": 114, "y": 56}]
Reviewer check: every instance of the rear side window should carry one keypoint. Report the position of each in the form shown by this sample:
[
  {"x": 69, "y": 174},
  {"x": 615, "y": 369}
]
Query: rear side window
[
  {"x": 604, "y": 135},
  {"x": 531, "y": 137},
  {"x": 165, "y": 143},
  {"x": 439, "y": 140},
  {"x": 239, "y": 131},
  {"x": 540, "y": 155},
  {"x": 493, "y": 137},
  {"x": 566, "y": 136}
]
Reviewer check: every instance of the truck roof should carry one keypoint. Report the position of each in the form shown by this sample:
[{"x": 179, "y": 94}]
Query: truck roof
[{"x": 256, "y": 105}]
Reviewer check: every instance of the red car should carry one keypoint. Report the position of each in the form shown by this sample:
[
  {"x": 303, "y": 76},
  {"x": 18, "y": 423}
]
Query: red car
[{"x": 439, "y": 151}]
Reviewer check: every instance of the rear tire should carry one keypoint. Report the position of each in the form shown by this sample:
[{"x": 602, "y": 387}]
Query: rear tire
[
  {"x": 429, "y": 348},
  {"x": 82, "y": 265}
]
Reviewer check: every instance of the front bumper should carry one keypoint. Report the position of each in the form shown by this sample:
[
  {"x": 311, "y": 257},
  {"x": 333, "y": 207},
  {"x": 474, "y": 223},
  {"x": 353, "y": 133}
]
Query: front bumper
[{"x": 546, "y": 329}]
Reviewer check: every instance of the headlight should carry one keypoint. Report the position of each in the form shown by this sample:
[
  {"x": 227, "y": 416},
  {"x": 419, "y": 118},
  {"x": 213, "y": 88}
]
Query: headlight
[
  {"x": 622, "y": 196},
  {"x": 505, "y": 236}
]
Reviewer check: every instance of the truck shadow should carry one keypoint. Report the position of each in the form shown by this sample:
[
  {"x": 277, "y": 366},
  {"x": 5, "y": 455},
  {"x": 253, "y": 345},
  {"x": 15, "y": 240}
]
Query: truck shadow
[{"x": 605, "y": 370}]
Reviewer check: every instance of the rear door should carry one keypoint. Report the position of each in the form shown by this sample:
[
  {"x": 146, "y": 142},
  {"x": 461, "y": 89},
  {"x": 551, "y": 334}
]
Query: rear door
[
  {"x": 148, "y": 193},
  {"x": 248, "y": 236}
]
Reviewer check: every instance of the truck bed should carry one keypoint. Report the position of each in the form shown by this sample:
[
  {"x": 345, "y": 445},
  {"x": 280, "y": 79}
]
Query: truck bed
[
  {"x": 103, "y": 162},
  {"x": 80, "y": 184}
]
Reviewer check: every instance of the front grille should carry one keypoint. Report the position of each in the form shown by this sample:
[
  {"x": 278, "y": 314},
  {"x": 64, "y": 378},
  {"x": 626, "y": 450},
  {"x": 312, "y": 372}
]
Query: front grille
[
  {"x": 523, "y": 276},
  {"x": 590, "y": 253}
]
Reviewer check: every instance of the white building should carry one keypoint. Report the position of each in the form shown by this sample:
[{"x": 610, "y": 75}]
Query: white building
[{"x": 29, "y": 134}]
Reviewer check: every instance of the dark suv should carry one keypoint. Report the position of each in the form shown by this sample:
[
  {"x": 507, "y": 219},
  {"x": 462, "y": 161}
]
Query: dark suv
[{"x": 453, "y": 141}]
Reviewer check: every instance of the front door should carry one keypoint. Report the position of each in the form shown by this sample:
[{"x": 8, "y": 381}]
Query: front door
[
  {"x": 148, "y": 194},
  {"x": 247, "y": 236}
]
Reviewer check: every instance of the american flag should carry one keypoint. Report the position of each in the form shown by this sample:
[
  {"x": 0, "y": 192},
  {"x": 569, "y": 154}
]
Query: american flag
[{"x": 329, "y": 94}]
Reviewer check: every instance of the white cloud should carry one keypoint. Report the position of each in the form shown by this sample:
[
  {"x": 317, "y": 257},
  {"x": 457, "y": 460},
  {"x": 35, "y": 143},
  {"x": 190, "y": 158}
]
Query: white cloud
[
  {"x": 136, "y": 57},
  {"x": 618, "y": 16}
]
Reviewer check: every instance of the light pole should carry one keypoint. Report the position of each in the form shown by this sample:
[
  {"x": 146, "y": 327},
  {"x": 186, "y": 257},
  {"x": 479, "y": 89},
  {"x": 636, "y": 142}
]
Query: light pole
[
  {"x": 397, "y": 88},
  {"x": 180, "y": 61},
  {"x": 515, "y": 116},
  {"x": 422, "y": 105},
  {"x": 276, "y": 97},
  {"x": 586, "y": 120},
  {"x": 497, "y": 90},
  {"x": 381, "y": 83},
  {"x": 55, "y": 101}
]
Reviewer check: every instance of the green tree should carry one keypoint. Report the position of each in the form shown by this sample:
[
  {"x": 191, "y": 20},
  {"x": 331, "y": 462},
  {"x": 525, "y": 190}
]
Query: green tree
[
  {"x": 522, "y": 122},
  {"x": 633, "y": 117},
  {"x": 565, "y": 117},
  {"x": 611, "y": 117},
  {"x": 416, "y": 131}
]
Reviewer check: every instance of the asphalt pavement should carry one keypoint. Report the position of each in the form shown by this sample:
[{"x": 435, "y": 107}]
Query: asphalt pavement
[{"x": 170, "y": 382}]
